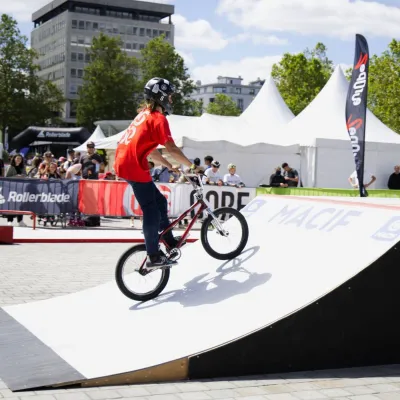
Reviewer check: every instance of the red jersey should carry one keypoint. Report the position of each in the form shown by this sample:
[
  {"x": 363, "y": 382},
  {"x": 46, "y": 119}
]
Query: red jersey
[{"x": 145, "y": 133}]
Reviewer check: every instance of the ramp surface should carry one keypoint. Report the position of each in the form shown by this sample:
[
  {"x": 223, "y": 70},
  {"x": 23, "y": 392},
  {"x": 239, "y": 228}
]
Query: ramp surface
[{"x": 299, "y": 250}]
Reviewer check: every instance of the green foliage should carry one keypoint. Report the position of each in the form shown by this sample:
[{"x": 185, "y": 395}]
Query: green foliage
[
  {"x": 159, "y": 59},
  {"x": 384, "y": 86},
  {"x": 110, "y": 83},
  {"x": 300, "y": 77},
  {"x": 25, "y": 99},
  {"x": 223, "y": 105}
]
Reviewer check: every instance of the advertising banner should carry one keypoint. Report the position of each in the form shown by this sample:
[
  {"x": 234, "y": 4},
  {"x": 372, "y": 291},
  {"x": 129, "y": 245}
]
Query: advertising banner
[
  {"x": 39, "y": 196},
  {"x": 116, "y": 198},
  {"x": 356, "y": 107}
]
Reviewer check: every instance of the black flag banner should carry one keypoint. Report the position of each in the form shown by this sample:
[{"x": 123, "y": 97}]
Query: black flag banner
[{"x": 356, "y": 108}]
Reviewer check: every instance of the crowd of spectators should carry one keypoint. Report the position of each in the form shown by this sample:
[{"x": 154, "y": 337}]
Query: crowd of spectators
[{"x": 91, "y": 165}]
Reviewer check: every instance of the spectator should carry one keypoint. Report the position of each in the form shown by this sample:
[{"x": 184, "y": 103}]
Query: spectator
[
  {"x": 48, "y": 157},
  {"x": 16, "y": 169},
  {"x": 91, "y": 163},
  {"x": 151, "y": 167},
  {"x": 394, "y": 179},
  {"x": 368, "y": 177},
  {"x": 277, "y": 179},
  {"x": 232, "y": 178},
  {"x": 291, "y": 175},
  {"x": 212, "y": 175},
  {"x": 34, "y": 171},
  {"x": 208, "y": 161},
  {"x": 1, "y": 168},
  {"x": 74, "y": 172},
  {"x": 70, "y": 159},
  {"x": 161, "y": 174}
]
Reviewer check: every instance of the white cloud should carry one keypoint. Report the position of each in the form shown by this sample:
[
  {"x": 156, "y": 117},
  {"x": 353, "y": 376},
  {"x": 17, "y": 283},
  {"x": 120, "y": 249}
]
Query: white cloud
[
  {"x": 335, "y": 18},
  {"x": 257, "y": 39},
  {"x": 249, "y": 68},
  {"x": 22, "y": 10},
  {"x": 187, "y": 57},
  {"x": 197, "y": 34}
]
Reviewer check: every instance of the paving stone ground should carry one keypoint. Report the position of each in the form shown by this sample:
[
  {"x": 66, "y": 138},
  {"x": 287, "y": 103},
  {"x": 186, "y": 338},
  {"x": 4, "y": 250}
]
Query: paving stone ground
[{"x": 40, "y": 271}]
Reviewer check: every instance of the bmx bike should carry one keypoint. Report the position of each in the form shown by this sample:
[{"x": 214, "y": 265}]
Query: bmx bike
[{"x": 218, "y": 225}]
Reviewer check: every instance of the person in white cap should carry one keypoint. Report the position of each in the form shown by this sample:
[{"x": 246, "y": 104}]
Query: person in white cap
[
  {"x": 212, "y": 175},
  {"x": 232, "y": 178}
]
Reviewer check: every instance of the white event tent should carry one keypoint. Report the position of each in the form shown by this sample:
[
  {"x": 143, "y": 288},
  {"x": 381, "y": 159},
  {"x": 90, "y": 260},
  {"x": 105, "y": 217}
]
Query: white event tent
[
  {"x": 95, "y": 137},
  {"x": 326, "y": 154},
  {"x": 252, "y": 141}
]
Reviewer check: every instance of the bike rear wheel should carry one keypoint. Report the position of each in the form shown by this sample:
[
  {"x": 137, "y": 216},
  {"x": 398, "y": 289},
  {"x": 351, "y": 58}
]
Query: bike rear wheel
[
  {"x": 132, "y": 283},
  {"x": 231, "y": 222}
]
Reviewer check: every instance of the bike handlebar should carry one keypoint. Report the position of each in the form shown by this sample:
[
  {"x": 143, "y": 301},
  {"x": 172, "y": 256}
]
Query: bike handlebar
[{"x": 193, "y": 175}]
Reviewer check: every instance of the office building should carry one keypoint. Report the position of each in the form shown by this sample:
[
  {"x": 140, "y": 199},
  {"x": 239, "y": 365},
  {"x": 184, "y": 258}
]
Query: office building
[
  {"x": 63, "y": 31},
  {"x": 242, "y": 95}
]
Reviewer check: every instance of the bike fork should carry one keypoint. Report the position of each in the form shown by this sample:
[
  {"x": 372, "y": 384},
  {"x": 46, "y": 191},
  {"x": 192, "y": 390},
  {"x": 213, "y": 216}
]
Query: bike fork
[{"x": 217, "y": 225}]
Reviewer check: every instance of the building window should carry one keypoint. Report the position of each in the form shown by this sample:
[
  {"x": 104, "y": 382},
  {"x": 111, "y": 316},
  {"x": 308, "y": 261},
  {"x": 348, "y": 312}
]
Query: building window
[
  {"x": 73, "y": 56},
  {"x": 134, "y": 31},
  {"x": 212, "y": 99},
  {"x": 129, "y": 46},
  {"x": 80, "y": 57},
  {"x": 238, "y": 90},
  {"x": 141, "y": 32},
  {"x": 141, "y": 47},
  {"x": 240, "y": 104},
  {"x": 81, "y": 39},
  {"x": 88, "y": 40},
  {"x": 122, "y": 29},
  {"x": 73, "y": 72},
  {"x": 73, "y": 89},
  {"x": 252, "y": 91},
  {"x": 167, "y": 34},
  {"x": 81, "y": 24},
  {"x": 95, "y": 26},
  {"x": 74, "y": 24},
  {"x": 88, "y": 26},
  {"x": 87, "y": 57},
  {"x": 134, "y": 46},
  {"x": 148, "y": 32},
  {"x": 80, "y": 73},
  {"x": 74, "y": 39}
]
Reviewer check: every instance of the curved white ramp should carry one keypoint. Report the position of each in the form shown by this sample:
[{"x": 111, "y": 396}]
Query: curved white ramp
[{"x": 299, "y": 250}]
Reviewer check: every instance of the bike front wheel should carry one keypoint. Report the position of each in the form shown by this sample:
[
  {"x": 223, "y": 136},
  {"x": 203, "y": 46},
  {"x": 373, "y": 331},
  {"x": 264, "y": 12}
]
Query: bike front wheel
[
  {"x": 224, "y": 233},
  {"x": 131, "y": 280}
]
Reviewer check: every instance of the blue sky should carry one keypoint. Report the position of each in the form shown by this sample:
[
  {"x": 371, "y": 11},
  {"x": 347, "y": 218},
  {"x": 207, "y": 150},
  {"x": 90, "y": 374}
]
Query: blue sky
[{"x": 245, "y": 37}]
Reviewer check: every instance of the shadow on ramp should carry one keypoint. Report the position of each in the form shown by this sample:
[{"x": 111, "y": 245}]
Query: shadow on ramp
[{"x": 200, "y": 290}]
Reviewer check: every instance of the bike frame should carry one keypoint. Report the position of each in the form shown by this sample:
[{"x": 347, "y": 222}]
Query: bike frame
[{"x": 203, "y": 206}]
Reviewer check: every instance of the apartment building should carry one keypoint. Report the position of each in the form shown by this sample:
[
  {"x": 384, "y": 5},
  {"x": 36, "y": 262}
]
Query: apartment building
[
  {"x": 63, "y": 31},
  {"x": 241, "y": 94}
]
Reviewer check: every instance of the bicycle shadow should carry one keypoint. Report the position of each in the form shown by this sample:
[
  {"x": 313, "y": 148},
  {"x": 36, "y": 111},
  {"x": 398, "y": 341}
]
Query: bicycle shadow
[{"x": 200, "y": 291}]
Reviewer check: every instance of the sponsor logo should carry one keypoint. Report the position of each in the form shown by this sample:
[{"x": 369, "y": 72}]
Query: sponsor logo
[
  {"x": 389, "y": 232},
  {"x": 62, "y": 135},
  {"x": 361, "y": 81},
  {"x": 252, "y": 207},
  {"x": 2, "y": 198},
  {"x": 352, "y": 127},
  {"x": 35, "y": 198},
  {"x": 131, "y": 205}
]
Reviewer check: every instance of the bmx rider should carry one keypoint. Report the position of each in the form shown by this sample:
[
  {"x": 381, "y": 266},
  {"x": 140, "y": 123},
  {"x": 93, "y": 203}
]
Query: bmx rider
[{"x": 149, "y": 129}]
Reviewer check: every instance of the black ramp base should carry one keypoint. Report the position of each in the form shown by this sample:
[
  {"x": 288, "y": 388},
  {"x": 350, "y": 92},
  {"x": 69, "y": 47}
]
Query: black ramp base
[
  {"x": 357, "y": 324},
  {"x": 26, "y": 362}
]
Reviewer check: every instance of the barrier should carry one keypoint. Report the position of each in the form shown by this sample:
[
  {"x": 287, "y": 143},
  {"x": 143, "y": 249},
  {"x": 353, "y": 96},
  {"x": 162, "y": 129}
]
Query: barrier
[
  {"x": 292, "y": 191},
  {"x": 32, "y": 214}
]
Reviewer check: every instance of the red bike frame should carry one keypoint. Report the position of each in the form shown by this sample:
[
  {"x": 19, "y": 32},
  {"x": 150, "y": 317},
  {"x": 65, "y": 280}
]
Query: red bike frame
[{"x": 203, "y": 206}]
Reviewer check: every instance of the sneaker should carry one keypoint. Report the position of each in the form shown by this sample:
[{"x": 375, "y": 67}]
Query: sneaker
[
  {"x": 159, "y": 261},
  {"x": 176, "y": 241},
  {"x": 22, "y": 224}
]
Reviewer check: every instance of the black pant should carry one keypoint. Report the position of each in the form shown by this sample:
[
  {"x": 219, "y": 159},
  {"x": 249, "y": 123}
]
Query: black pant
[
  {"x": 155, "y": 214},
  {"x": 10, "y": 218}
]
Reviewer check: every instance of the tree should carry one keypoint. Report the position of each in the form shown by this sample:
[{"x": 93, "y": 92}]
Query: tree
[
  {"x": 25, "y": 99},
  {"x": 223, "y": 105},
  {"x": 110, "y": 83},
  {"x": 384, "y": 86},
  {"x": 159, "y": 59},
  {"x": 300, "y": 77}
]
